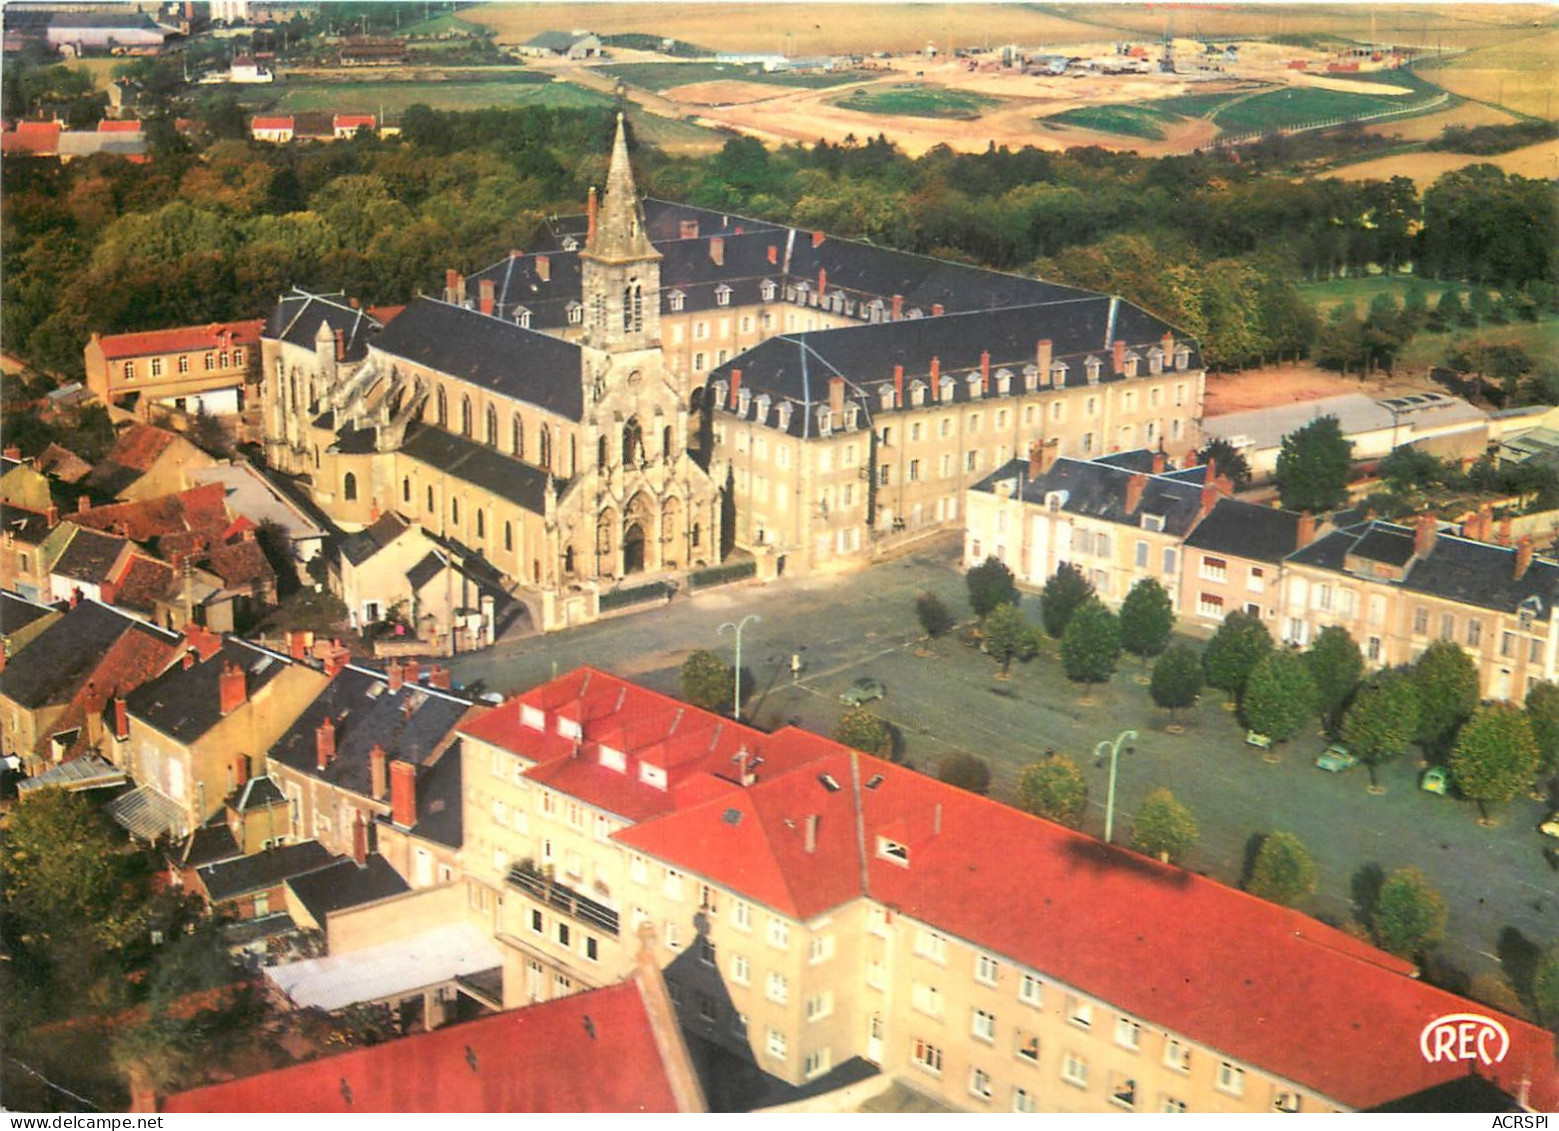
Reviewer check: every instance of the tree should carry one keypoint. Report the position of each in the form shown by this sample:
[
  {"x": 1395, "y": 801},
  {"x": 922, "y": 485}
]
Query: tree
[
  {"x": 1447, "y": 683},
  {"x": 1545, "y": 987},
  {"x": 863, "y": 730},
  {"x": 1007, "y": 635},
  {"x": 1336, "y": 668},
  {"x": 934, "y": 618},
  {"x": 1313, "y": 467},
  {"x": 1280, "y": 696},
  {"x": 1229, "y": 461},
  {"x": 1382, "y": 721},
  {"x": 1495, "y": 755},
  {"x": 1164, "y": 828},
  {"x": 1147, "y": 617},
  {"x": 1409, "y": 915},
  {"x": 1283, "y": 872},
  {"x": 990, "y": 584},
  {"x": 1063, "y": 595},
  {"x": 1543, "y": 714},
  {"x": 1234, "y": 651},
  {"x": 966, "y": 771},
  {"x": 1177, "y": 679},
  {"x": 706, "y": 681},
  {"x": 1092, "y": 643},
  {"x": 1053, "y": 789}
]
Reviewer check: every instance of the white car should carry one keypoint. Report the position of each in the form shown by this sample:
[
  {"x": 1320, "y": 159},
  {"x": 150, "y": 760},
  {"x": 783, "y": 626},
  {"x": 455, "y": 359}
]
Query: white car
[{"x": 1550, "y": 827}]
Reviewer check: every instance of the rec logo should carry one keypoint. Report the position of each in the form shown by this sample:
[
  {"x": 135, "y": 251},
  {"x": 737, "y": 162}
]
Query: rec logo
[{"x": 1464, "y": 1036}]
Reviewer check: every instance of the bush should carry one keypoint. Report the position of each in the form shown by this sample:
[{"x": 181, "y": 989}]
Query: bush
[
  {"x": 1065, "y": 593},
  {"x": 863, "y": 730},
  {"x": 1283, "y": 872},
  {"x": 1409, "y": 914},
  {"x": 1164, "y": 828},
  {"x": 1054, "y": 789},
  {"x": 721, "y": 574},
  {"x": 934, "y": 618},
  {"x": 990, "y": 584},
  {"x": 966, "y": 771}
]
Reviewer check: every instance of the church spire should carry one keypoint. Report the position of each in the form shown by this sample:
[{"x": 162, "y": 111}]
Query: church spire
[{"x": 619, "y": 235}]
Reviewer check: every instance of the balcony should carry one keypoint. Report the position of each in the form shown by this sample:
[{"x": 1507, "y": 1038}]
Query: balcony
[{"x": 564, "y": 899}]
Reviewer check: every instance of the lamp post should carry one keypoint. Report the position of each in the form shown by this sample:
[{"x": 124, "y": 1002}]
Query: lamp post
[
  {"x": 1115, "y": 750},
  {"x": 736, "y": 692}
]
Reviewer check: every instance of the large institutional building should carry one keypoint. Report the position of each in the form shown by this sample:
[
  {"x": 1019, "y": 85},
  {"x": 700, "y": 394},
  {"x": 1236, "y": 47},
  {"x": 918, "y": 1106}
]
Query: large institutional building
[{"x": 574, "y": 415}]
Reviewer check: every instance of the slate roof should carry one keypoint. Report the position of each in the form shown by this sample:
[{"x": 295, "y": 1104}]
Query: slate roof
[
  {"x": 439, "y": 803},
  {"x": 229, "y": 879},
  {"x": 479, "y": 465},
  {"x": 258, "y": 793},
  {"x": 88, "y": 557},
  {"x": 426, "y": 570},
  {"x": 61, "y": 657},
  {"x": 16, "y": 613},
  {"x": 1481, "y": 574},
  {"x": 211, "y": 842},
  {"x": 297, "y": 317},
  {"x": 1330, "y": 550},
  {"x": 411, "y": 723},
  {"x": 1098, "y": 490},
  {"x": 529, "y": 366},
  {"x": 346, "y": 884},
  {"x": 1246, "y": 530},
  {"x": 25, "y": 526},
  {"x": 184, "y": 703},
  {"x": 358, "y": 547}
]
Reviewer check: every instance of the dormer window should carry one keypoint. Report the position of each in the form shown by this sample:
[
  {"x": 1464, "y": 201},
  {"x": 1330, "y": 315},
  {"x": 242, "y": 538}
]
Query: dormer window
[
  {"x": 917, "y": 393},
  {"x": 799, "y": 292},
  {"x": 1182, "y": 357},
  {"x": 976, "y": 386},
  {"x": 675, "y": 300},
  {"x": 885, "y": 396},
  {"x": 915, "y": 312},
  {"x": 614, "y": 759},
  {"x": 570, "y": 243},
  {"x": 570, "y": 729},
  {"x": 1055, "y": 500},
  {"x": 1058, "y": 373},
  {"x": 743, "y": 402},
  {"x": 875, "y": 309},
  {"x": 533, "y": 717},
  {"x": 719, "y": 389},
  {"x": 784, "y": 412},
  {"x": 576, "y": 313},
  {"x": 522, "y": 317},
  {"x": 762, "y": 402},
  {"x": 652, "y": 776},
  {"x": 825, "y": 423},
  {"x": 767, "y": 289},
  {"x": 1153, "y": 522},
  {"x": 1004, "y": 381},
  {"x": 1131, "y": 360},
  {"x": 893, "y": 850},
  {"x": 836, "y": 302},
  {"x": 1030, "y": 378},
  {"x": 946, "y": 390},
  {"x": 852, "y": 413},
  {"x": 722, "y": 295},
  {"x": 1092, "y": 367},
  {"x": 1155, "y": 361}
]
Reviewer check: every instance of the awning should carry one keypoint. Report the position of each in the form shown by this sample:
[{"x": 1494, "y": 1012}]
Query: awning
[
  {"x": 387, "y": 972},
  {"x": 147, "y": 813},
  {"x": 91, "y": 772}
]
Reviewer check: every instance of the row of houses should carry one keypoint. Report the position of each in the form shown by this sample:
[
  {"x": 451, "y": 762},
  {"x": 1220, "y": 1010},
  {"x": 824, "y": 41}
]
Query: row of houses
[
  {"x": 1395, "y": 587},
  {"x": 121, "y": 138},
  {"x": 281, "y": 129}
]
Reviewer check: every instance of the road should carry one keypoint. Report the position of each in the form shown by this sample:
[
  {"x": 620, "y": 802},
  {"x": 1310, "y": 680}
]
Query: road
[{"x": 1502, "y": 897}]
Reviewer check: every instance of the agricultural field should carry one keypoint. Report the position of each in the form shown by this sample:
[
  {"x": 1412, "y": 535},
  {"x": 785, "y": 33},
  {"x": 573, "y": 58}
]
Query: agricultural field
[
  {"x": 1424, "y": 168},
  {"x": 1518, "y": 75},
  {"x": 303, "y": 95},
  {"x": 1427, "y": 127},
  {"x": 1145, "y": 120},
  {"x": 1539, "y": 339},
  {"x": 917, "y": 100},
  {"x": 668, "y": 76},
  {"x": 440, "y": 26},
  {"x": 1301, "y": 105}
]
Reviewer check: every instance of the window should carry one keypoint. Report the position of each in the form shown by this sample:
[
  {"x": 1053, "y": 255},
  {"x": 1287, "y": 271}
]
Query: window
[
  {"x": 706, "y": 950},
  {"x": 741, "y": 915},
  {"x": 820, "y": 949},
  {"x": 349, "y": 487},
  {"x": 1123, "y": 1090},
  {"x": 1142, "y": 555},
  {"x": 708, "y": 898},
  {"x": 779, "y": 933},
  {"x": 927, "y": 999},
  {"x": 1215, "y": 569},
  {"x": 673, "y": 882},
  {"x": 820, "y": 1005},
  {"x": 1209, "y": 605},
  {"x": 1172, "y": 1106},
  {"x": 1022, "y": 1101},
  {"x": 210, "y": 361},
  {"x": 983, "y": 1026},
  {"x": 817, "y": 1063},
  {"x": 1029, "y": 990},
  {"x": 778, "y": 1047},
  {"x": 1074, "y": 1070},
  {"x": 592, "y": 949},
  {"x": 985, "y": 969},
  {"x": 1507, "y": 644},
  {"x": 1447, "y": 626},
  {"x": 876, "y": 974},
  {"x": 1128, "y": 1034},
  {"x": 156, "y": 367},
  {"x": 929, "y": 944},
  {"x": 979, "y": 1083},
  {"x": 1474, "y": 632},
  {"x": 537, "y": 924},
  {"x": 914, "y": 471},
  {"x": 1079, "y": 1012},
  {"x": 563, "y": 935},
  {"x": 1177, "y": 1055},
  {"x": 1028, "y": 1045},
  {"x": 130, "y": 370},
  {"x": 673, "y": 936},
  {"x": 1230, "y": 1079},
  {"x": 972, "y": 461},
  {"x": 741, "y": 970},
  {"x": 927, "y": 1056},
  {"x": 517, "y": 437},
  {"x": 777, "y": 988},
  {"x": 184, "y": 362},
  {"x": 1285, "y": 1102}
]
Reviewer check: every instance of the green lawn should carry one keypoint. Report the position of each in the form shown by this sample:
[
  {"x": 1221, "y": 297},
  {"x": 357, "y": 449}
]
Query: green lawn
[
  {"x": 1132, "y": 120},
  {"x": 1363, "y": 291},
  {"x": 1201, "y": 105},
  {"x": 665, "y": 76},
  {"x": 441, "y": 25},
  {"x": 917, "y": 100},
  {"x": 1297, "y": 106},
  {"x": 519, "y": 89},
  {"x": 1539, "y": 339}
]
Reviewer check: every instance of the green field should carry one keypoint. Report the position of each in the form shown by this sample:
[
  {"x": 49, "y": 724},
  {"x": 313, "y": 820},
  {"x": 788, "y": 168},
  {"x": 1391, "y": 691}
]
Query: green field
[
  {"x": 1539, "y": 339},
  {"x": 1202, "y": 105},
  {"x": 394, "y": 97},
  {"x": 441, "y": 25},
  {"x": 1133, "y": 119},
  {"x": 1361, "y": 292},
  {"x": 665, "y": 76},
  {"x": 1297, "y": 106},
  {"x": 917, "y": 100}
]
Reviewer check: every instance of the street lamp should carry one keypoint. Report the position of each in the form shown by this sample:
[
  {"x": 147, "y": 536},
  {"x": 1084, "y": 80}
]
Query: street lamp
[
  {"x": 1115, "y": 749},
  {"x": 736, "y": 692}
]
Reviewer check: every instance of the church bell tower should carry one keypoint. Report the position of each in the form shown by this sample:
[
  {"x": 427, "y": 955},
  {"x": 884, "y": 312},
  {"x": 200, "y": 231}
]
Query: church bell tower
[{"x": 619, "y": 267}]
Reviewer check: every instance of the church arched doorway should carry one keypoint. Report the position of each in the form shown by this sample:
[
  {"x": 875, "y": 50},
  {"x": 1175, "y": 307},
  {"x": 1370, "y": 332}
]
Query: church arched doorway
[{"x": 633, "y": 548}]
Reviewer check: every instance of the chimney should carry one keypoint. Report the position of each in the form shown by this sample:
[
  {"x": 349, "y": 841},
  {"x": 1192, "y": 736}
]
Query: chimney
[
  {"x": 1042, "y": 357},
  {"x": 544, "y": 268},
  {"x": 411, "y": 671},
  {"x": 75, "y": 596},
  {"x": 937, "y": 310},
  {"x": 439, "y": 678},
  {"x": 232, "y": 688},
  {"x": 359, "y": 840},
  {"x": 716, "y": 249},
  {"x": 898, "y": 307},
  {"x": 736, "y": 387},
  {"x": 188, "y": 660},
  {"x": 83, "y": 504},
  {"x": 336, "y": 658},
  {"x": 1134, "y": 489},
  {"x": 774, "y": 255},
  {"x": 590, "y": 211},
  {"x": 1424, "y": 536},
  {"x": 51, "y": 516},
  {"x": 1503, "y": 537},
  {"x": 1486, "y": 522},
  {"x": 516, "y": 253},
  {"x": 450, "y": 275},
  {"x": 395, "y": 674},
  {"x": 297, "y": 645},
  {"x": 688, "y": 229},
  {"x": 1523, "y": 555},
  {"x": 403, "y": 793},
  {"x": 243, "y": 767},
  {"x": 1118, "y": 358},
  {"x": 484, "y": 290},
  {"x": 378, "y": 770},
  {"x": 936, "y": 376},
  {"x": 817, "y": 239},
  {"x": 340, "y": 344},
  {"x": 836, "y": 396},
  {"x": 1158, "y": 462},
  {"x": 936, "y": 820},
  {"x": 985, "y": 372},
  {"x": 460, "y": 289},
  {"x": 822, "y": 281},
  {"x": 121, "y": 719},
  {"x": 898, "y": 386},
  {"x": 325, "y": 743},
  {"x": 1209, "y": 488},
  {"x": 1034, "y": 460},
  {"x": 1167, "y": 344},
  {"x": 11, "y": 451},
  {"x": 811, "y": 832}
]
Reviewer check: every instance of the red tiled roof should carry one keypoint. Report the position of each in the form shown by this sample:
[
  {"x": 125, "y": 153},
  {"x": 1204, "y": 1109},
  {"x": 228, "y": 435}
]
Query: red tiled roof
[
  {"x": 126, "y": 126},
  {"x": 143, "y": 581},
  {"x": 31, "y": 137},
  {"x": 592, "y": 1052},
  {"x": 242, "y": 563},
  {"x": 352, "y": 121},
  {"x": 385, "y": 314},
  {"x": 138, "y": 447},
  {"x": 271, "y": 124},
  {"x": 200, "y": 510},
  {"x": 180, "y": 339}
]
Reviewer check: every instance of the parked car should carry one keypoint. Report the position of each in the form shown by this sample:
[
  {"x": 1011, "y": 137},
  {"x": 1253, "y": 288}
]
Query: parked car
[
  {"x": 1336, "y": 758},
  {"x": 863, "y": 690},
  {"x": 1436, "y": 779},
  {"x": 1260, "y": 741},
  {"x": 1550, "y": 827}
]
